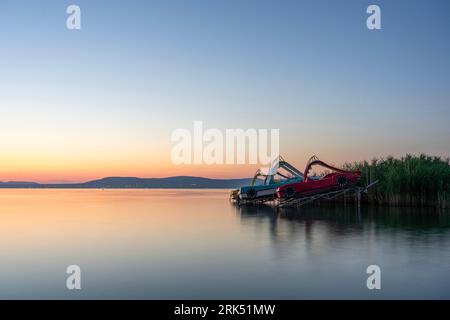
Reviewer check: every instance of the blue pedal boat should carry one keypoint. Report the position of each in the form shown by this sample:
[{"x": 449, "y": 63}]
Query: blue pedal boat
[{"x": 266, "y": 181}]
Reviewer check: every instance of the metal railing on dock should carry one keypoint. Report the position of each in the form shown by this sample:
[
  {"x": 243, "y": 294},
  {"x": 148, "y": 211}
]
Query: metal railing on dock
[{"x": 300, "y": 201}]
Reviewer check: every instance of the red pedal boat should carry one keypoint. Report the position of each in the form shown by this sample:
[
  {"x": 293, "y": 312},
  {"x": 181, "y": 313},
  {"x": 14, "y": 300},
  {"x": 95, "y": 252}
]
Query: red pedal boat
[{"x": 337, "y": 179}]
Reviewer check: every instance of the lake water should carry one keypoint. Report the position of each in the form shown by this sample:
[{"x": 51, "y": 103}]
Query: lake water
[{"x": 189, "y": 244}]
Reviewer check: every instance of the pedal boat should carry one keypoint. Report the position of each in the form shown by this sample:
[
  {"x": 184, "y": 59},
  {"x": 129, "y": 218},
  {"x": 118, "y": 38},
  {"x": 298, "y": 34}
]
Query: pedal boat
[
  {"x": 266, "y": 182},
  {"x": 336, "y": 180}
]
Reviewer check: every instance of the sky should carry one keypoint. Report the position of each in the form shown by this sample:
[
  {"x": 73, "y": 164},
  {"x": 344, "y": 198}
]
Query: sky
[{"x": 103, "y": 101}]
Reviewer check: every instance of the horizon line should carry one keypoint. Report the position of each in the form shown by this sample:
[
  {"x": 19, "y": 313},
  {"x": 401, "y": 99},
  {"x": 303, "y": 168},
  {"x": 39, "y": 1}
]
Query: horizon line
[{"x": 110, "y": 177}]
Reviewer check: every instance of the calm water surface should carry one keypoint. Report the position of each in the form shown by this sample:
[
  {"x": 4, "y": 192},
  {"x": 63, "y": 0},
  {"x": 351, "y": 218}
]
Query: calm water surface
[{"x": 189, "y": 244}]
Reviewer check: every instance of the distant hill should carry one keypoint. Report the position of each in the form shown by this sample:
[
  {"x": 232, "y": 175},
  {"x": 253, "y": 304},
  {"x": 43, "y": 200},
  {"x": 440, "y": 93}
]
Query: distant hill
[
  {"x": 17, "y": 184},
  {"x": 134, "y": 182}
]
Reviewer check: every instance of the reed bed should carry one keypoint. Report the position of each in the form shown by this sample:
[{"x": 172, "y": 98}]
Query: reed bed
[{"x": 408, "y": 181}]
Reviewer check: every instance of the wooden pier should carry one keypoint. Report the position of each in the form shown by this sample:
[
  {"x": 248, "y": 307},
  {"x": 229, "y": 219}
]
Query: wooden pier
[{"x": 354, "y": 192}]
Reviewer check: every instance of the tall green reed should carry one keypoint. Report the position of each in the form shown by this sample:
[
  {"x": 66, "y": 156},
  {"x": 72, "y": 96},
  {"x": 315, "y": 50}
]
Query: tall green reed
[{"x": 410, "y": 180}]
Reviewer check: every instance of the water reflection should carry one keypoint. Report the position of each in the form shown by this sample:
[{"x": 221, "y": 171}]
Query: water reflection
[
  {"x": 192, "y": 244},
  {"x": 334, "y": 225},
  {"x": 340, "y": 219}
]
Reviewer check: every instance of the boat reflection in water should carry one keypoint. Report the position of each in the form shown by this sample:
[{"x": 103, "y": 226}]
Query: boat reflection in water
[
  {"x": 342, "y": 220},
  {"x": 331, "y": 247}
]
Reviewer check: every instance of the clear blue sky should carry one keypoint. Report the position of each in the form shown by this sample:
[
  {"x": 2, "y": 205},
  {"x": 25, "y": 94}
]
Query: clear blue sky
[{"x": 139, "y": 69}]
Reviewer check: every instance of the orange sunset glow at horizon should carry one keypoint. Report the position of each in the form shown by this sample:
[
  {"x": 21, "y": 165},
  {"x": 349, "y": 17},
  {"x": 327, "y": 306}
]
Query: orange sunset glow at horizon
[{"x": 78, "y": 169}]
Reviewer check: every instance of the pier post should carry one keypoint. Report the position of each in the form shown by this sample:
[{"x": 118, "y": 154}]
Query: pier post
[{"x": 359, "y": 197}]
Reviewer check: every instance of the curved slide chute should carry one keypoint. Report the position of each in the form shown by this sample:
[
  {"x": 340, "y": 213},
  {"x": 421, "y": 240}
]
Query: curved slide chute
[{"x": 315, "y": 161}]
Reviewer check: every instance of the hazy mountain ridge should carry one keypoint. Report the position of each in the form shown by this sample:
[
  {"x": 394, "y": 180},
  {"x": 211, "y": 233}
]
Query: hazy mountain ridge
[
  {"x": 18, "y": 183},
  {"x": 135, "y": 182}
]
